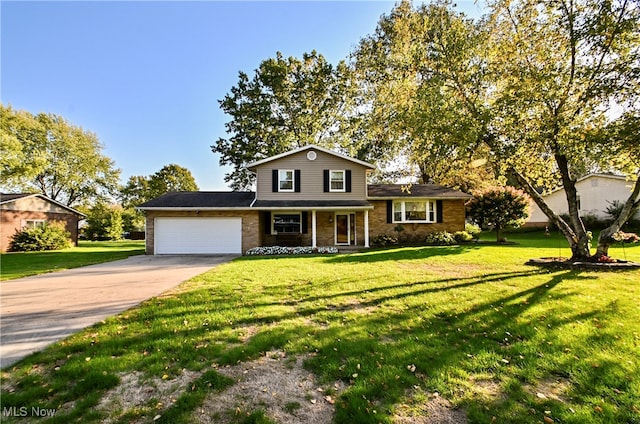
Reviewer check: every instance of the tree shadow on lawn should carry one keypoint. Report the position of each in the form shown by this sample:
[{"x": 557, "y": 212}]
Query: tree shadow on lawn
[
  {"x": 401, "y": 253},
  {"x": 371, "y": 345}
]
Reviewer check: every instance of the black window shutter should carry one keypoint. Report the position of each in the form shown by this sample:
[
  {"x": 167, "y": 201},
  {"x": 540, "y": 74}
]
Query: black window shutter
[
  {"x": 347, "y": 183},
  {"x": 438, "y": 211},
  {"x": 326, "y": 180},
  {"x": 267, "y": 222},
  {"x": 296, "y": 183},
  {"x": 305, "y": 224},
  {"x": 275, "y": 184},
  {"x": 389, "y": 211}
]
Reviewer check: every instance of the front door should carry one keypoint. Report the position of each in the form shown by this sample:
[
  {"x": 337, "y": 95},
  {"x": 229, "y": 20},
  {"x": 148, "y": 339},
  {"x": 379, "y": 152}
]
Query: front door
[{"x": 346, "y": 229}]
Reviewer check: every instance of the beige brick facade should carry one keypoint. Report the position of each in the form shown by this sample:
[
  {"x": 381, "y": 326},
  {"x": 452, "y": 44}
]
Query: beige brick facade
[
  {"x": 254, "y": 233},
  {"x": 250, "y": 225},
  {"x": 453, "y": 219}
]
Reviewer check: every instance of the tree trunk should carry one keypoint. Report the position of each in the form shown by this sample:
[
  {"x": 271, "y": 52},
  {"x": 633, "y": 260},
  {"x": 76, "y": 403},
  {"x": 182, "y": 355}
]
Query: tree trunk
[
  {"x": 579, "y": 245},
  {"x": 581, "y": 249},
  {"x": 629, "y": 208}
]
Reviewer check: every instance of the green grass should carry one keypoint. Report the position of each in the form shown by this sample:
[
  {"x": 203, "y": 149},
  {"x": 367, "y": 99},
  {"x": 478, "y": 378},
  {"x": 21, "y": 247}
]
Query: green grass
[
  {"x": 481, "y": 328},
  {"x": 23, "y": 264}
]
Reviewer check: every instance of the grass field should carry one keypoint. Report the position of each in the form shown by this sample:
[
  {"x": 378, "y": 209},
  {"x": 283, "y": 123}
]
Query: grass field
[
  {"x": 389, "y": 335},
  {"x": 23, "y": 264}
]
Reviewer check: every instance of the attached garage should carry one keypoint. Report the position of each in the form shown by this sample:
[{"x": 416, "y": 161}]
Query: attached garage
[{"x": 198, "y": 235}]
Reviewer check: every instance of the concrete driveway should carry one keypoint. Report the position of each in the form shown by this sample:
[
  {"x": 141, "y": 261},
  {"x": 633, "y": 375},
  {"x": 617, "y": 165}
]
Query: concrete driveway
[{"x": 40, "y": 310}]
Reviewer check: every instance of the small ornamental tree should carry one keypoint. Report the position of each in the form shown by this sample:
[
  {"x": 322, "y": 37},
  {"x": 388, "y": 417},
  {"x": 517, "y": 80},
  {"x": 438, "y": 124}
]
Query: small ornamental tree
[{"x": 499, "y": 207}]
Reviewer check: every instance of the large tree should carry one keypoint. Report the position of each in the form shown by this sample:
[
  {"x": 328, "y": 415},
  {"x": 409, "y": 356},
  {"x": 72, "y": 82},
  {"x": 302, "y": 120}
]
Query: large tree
[
  {"x": 45, "y": 153},
  {"x": 140, "y": 189},
  {"x": 535, "y": 82},
  {"x": 412, "y": 111},
  {"x": 288, "y": 103}
]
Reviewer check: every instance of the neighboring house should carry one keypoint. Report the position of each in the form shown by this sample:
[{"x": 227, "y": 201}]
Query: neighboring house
[
  {"x": 306, "y": 197},
  {"x": 595, "y": 194},
  {"x": 18, "y": 211}
]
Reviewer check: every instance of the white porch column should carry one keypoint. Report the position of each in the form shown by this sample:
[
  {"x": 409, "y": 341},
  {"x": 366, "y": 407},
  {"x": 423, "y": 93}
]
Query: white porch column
[
  {"x": 366, "y": 228},
  {"x": 314, "y": 243}
]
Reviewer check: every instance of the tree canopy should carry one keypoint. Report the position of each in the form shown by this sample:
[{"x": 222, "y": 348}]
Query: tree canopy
[
  {"x": 47, "y": 154},
  {"x": 536, "y": 92},
  {"x": 535, "y": 82},
  {"x": 288, "y": 103},
  {"x": 140, "y": 189}
]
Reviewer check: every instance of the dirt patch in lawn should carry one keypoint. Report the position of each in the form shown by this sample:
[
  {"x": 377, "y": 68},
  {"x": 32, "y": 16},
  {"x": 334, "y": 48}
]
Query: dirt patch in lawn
[
  {"x": 276, "y": 384},
  {"x": 138, "y": 393},
  {"x": 430, "y": 409},
  {"x": 550, "y": 388}
]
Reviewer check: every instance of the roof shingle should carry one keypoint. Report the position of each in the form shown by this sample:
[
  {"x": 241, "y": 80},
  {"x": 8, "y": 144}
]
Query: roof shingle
[
  {"x": 201, "y": 199},
  {"x": 433, "y": 191}
]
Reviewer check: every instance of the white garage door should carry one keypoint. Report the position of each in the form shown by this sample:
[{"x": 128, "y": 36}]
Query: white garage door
[{"x": 198, "y": 235}]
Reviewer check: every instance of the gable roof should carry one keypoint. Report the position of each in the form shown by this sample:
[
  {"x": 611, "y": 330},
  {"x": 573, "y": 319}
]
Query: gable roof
[
  {"x": 177, "y": 200},
  {"x": 255, "y": 164},
  {"x": 12, "y": 197},
  {"x": 431, "y": 191}
]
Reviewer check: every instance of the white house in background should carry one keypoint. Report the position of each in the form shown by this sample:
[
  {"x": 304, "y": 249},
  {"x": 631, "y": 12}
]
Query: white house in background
[{"x": 595, "y": 193}]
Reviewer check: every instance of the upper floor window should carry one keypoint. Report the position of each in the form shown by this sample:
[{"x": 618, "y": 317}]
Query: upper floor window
[
  {"x": 337, "y": 181},
  {"x": 414, "y": 211},
  {"x": 285, "y": 178}
]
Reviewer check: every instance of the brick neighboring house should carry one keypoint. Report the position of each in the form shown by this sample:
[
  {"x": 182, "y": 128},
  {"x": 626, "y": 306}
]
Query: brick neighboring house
[
  {"x": 310, "y": 196},
  {"x": 18, "y": 211}
]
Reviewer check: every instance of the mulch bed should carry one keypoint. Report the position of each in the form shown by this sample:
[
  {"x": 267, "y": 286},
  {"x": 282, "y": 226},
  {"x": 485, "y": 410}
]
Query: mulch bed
[{"x": 565, "y": 263}]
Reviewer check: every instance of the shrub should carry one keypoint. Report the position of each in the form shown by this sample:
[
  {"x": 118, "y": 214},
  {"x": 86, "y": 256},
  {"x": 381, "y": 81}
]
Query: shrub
[
  {"x": 46, "y": 237},
  {"x": 473, "y": 229},
  {"x": 382, "y": 240},
  {"x": 613, "y": 212},
  {"x": 440, "y": 238},
  {"x": 462, "y": 236},
  {"x": 104, "y": 222},
  {"x": 591, "y": 221}
]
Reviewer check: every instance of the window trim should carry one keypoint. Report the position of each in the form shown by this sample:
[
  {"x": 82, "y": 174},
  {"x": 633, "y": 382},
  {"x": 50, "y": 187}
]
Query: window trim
[
  {"x": 344, "y": 181},
  {"x": 431, "y": 211},
  {"x": 280, "y": 181}
]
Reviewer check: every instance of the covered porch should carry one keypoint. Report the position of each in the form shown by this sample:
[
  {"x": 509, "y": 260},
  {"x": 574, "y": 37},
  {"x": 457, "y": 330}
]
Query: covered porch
[{"x": 314, "y": 224}]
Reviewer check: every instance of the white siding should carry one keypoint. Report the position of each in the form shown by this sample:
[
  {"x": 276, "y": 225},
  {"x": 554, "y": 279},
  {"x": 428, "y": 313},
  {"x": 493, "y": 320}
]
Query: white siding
[{"x": 595, "y": 191}]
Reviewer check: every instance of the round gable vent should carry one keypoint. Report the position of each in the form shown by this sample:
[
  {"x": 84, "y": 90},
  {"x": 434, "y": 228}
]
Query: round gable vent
[{"x": 312, "y": 155}]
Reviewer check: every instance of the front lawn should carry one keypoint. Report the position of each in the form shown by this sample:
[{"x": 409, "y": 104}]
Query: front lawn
[
  {"x": 381, "y": 336},
  {"x": 22, "y": 264}
]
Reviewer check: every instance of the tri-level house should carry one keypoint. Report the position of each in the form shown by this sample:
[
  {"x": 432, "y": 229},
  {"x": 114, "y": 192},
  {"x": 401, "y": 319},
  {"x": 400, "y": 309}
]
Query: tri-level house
[{"x": 310, "y": 196}]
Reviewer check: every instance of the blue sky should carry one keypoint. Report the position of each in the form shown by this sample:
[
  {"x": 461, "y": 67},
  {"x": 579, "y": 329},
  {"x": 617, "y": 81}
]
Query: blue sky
[{"x": 146, "y": 77}]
